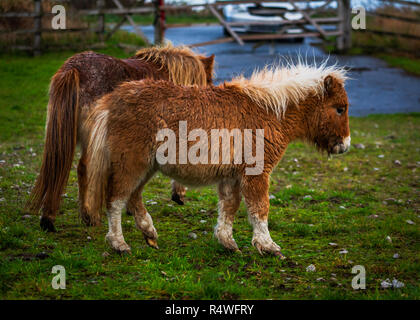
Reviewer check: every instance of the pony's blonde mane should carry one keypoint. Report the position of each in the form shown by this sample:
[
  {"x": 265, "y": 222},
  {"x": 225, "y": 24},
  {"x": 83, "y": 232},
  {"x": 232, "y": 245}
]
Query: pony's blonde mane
[
  {"x": 184, "y": 65},
  {"x": 274, "y": 88}
]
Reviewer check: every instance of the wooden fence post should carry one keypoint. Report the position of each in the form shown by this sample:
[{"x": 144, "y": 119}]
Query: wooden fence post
[
  {"x": 344, "y": 12},
  {"x": 159, "y": 22},
  {"x": 37, "y": 27},
  {"x": 101, "y": 20}
]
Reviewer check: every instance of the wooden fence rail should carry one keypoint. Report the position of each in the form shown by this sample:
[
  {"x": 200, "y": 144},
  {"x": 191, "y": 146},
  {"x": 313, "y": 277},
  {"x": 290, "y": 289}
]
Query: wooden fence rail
[
  {"x": 37, "y": 29},
  {"x": 389, "y": 33},
  {"x": 394, "y": 17}
]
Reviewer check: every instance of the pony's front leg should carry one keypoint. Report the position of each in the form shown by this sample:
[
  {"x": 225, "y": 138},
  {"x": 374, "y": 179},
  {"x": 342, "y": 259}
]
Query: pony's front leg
[
  {"x": 229, "y": 201},
  {"x": 115, "y": 236},
  {"x": 255, "y": 192},
  {"x": 142, "y": 218}
]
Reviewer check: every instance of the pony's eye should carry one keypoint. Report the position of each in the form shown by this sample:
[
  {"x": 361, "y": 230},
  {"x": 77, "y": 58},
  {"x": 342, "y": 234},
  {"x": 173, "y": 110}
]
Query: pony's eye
[{"x": 340, "y": 111}]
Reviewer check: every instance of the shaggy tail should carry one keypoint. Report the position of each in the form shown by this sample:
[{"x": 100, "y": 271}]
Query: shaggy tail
[
  {"x": 60, "y": 143},
  {"x": 98, "y": 162}
]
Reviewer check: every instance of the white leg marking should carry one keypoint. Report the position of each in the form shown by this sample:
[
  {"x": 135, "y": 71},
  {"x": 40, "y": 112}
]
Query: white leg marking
[
  {"x": 115, "y": 236},
  {"x": 223, "y": 229},
  {"x": 145, "y": 224},
  {"x": 261, "y": 238},
  {"x": 346, "y": 142}
]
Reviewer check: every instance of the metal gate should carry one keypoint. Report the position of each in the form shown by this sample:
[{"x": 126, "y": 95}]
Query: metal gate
[{"x": 312, "y": 23}]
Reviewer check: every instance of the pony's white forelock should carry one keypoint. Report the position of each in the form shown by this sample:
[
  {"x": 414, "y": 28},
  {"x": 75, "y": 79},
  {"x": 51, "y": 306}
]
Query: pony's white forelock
[{"x": 276, "y": 87}]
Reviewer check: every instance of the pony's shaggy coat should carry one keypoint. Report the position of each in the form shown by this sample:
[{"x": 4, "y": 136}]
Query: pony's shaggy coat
[
  {"x": 82, "y": 80},
  {"x": 296, "y": 102},
  {"x": 183, "y": 67}
]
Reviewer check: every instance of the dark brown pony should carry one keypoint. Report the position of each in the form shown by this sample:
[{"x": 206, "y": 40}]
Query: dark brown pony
[
  {"x": 141, "y": 128},
  {"x": 83, "y": 79}
]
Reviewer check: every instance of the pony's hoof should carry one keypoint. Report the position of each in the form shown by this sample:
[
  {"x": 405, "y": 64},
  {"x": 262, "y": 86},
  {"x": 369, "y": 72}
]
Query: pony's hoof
[
  {"x": 47, "y": 225},
  {"x": 117, "y": 243},
  {"x": 176, "y": 198},
  {"x": 280, "y": 255},
  {"x": 124, "y": 250},
  {"x": 234, "y": 250},
  {"x": 230, "y": 245},
  {"x": 259, "y": 248},
  {"x": 91, "y": 221},
  {"x": 151, "y": 242},
  {"x": 272, "y": 248}
]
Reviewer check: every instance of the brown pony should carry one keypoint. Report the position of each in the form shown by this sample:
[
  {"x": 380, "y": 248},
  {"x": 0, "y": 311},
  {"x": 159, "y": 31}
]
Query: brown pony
[
  {"x": 128, "y": 141},
  {"x": 83, "y": 79}
]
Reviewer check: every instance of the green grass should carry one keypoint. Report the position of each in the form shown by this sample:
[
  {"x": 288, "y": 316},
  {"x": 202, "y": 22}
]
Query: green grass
[
  {"x": 395, "y": 51},
  {"x": 184, "y": 268},
  {"x": 410, "y": 65}
]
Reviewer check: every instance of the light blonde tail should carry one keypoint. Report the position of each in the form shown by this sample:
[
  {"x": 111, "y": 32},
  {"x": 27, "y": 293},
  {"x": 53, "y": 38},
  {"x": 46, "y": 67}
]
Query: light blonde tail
[{"x": 98, "y": 160}]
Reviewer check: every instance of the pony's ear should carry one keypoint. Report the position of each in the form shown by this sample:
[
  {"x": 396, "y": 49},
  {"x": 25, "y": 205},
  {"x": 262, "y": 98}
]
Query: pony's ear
[
  {"x": 208, "y": 63},
  {"x": 328, "y": 84}
]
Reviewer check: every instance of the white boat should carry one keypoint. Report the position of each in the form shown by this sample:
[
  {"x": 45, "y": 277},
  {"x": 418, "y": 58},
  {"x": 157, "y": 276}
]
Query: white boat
[{"x": 273, "y": 13}]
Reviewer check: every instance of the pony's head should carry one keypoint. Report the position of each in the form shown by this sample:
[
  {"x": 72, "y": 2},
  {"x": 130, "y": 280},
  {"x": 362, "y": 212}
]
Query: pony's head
[
  {"x": 327, "y": 117},
  {"x": 312, "y": 97}
]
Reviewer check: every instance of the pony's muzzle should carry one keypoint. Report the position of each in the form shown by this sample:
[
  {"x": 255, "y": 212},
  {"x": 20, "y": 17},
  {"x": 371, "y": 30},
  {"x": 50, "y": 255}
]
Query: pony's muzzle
[{"x": 342, "y": 147}]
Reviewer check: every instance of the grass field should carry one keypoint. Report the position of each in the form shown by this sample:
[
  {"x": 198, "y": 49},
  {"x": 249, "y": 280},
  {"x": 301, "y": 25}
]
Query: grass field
[
  {"x": 411, "y": 65},
  {"x": 397, "y": 60},
  {"x": 356, "y": 201}
]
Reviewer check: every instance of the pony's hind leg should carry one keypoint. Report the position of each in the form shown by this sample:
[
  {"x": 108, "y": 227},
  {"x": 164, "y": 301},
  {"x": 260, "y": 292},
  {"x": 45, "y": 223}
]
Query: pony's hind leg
[
  {"x": 178, "y": 192},
  {"x": 88, "y": 217},
  {"x": 255, "y": 192},
  {"x": 142, "y": 218},
  {"x": 48, "y": 219},
  {"x": 229, "y": 201}
]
